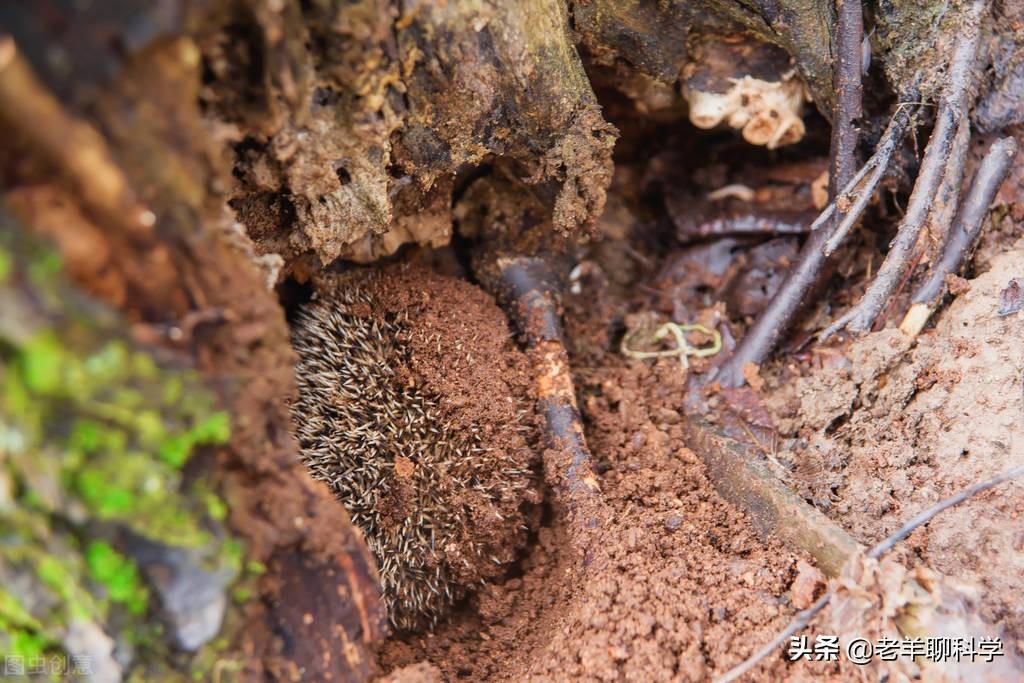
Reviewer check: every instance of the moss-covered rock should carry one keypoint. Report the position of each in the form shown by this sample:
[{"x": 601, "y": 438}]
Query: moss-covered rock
[{"x": 97, "y": 438}]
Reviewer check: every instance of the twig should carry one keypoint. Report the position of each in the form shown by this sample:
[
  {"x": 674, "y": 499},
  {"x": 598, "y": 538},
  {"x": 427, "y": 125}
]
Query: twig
[
  {"x": 942, "y": 216},
  {"x": 741, "y": 477},
  {"x": 947, "y": 204},
  {"x": 804, "y": 618},
  {"x": 798, "y": 624},
  {"x": 963, "y": 235},
  {"x": 952, "y": 105},
  {"x": 763, "y": 336},
  {"x": 848, "y": 108},
  {"x": 886, "y": 148},
  {"x": 915, "y": 258},
  {"x": 529, "y": 288},
  {"x": 924, "y": 517}
]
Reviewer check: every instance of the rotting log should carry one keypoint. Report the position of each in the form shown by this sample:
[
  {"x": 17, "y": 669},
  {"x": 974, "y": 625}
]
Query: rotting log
[{"x": 391, "y": 103}]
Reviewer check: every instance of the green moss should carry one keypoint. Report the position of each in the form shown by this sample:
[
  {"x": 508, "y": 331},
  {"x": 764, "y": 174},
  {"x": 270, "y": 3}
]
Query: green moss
[
  {"x": 85, "y": 436},
  {"x": 215, "y": 429},
  {"x": 94, "y": 430},
  {"x": 118, "y": 575},
  {"x": 256, "y": 567},
  {"x": 175, "y": 451},
  {"x": 59, "y": 576},
  {"x": 216, "y": 509},
  {"x": 13, "y": 614},
  {"x": 5, "y": 266},
  {"x": 28, "y": 645},
  {"x": 44, "y": 269},
  {"x": 41, "y": 363}
]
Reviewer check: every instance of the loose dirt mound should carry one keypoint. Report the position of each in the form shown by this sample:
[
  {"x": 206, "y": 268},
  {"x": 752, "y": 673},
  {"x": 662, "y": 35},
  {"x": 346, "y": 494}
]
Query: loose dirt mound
[
  {"x": 680, "y": 589},
  {"x": 886, "y": 432}
]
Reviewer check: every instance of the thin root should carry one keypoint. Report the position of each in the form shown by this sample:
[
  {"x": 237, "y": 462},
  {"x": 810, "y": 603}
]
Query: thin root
[{"x": 953, "y": 103}]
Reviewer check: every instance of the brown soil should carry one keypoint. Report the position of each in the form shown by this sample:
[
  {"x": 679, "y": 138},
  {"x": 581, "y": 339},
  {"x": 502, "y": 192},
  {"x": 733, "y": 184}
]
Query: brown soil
[
  {"x": 679, "y": 588},
  {"x": 886, "y": 431}
]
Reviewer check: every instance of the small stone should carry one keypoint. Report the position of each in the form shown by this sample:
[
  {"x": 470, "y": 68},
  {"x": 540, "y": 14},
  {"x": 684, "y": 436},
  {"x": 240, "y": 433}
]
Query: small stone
[
  {"x": 673, "y": 522},
  {"x": 87, "y": 640},
  {"x": 192, "y": 599},
  {"x": 1011, "y": 299}
]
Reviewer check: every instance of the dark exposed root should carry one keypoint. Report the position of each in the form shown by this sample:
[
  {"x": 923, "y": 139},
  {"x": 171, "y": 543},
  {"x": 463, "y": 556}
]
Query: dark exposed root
[
  {"x": 952, "y": 105},
  {"x": 964, "y": 233},
  {"x": 529, "y": 288}
]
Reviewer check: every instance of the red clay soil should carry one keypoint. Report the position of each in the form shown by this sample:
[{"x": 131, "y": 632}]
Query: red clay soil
[
  {"x": 681, "y": 588},
  {"x": 871, "y": 433}
]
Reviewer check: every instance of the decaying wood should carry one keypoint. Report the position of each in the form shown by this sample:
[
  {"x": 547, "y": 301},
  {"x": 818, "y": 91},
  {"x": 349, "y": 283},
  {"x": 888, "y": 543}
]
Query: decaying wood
[
  {"x": 389, "y": 102},
  {"x": 529, "y": 287}
]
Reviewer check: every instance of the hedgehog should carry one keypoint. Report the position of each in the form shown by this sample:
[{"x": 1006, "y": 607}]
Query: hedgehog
[{"x": 439, "y": 483}]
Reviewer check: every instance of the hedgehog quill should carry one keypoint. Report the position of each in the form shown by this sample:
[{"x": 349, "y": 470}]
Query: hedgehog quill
[{"x": 427, "y": 446}]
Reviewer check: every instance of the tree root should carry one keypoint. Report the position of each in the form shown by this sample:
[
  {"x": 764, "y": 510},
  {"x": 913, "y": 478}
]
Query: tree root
[
  {"x": 963, "y": 235},
  {"x": 952, "y": 106},
  {"x": 848, "y": 108},
  {"x": 529, "y": 288},
  {"x": 762, "y": 338},
  {"x": 740, "y": 476},
  {"x": 804, "y": 617}
]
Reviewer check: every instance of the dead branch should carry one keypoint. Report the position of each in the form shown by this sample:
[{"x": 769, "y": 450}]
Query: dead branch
[
  {"x": 953, "y": 102},
  {"x": 848, "y": 108},
  {"x": 925, "y": 516},
  {"x": 529, "y": 288},
  {"x": 887, "y": 146},
  {"x": 804, "y": 618},
  {"x": 963, "y": 235},
  {"x": 741, "y": 477},
  {"x": 763, "y": 336}
]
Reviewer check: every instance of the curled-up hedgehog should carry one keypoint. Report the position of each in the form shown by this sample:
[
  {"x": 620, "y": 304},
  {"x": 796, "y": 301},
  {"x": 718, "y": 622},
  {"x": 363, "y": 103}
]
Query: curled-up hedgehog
[{"x": 414, "y": 405}]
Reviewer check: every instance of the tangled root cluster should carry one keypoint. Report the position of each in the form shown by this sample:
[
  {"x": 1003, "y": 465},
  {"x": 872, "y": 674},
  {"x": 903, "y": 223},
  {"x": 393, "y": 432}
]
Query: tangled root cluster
[{"x": 426, "y": 447}]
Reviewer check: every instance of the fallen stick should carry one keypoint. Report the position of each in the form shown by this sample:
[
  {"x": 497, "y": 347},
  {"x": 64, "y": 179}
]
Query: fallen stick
[
  {"x": 529, "y": 287},
  {"x": 953, "y": 102},
  {"x": 742, "y": 478},
  {"x": 804, "y": 617},
  {"x": 887, "y": 147},
  {"x": 963, "y": 235}
]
